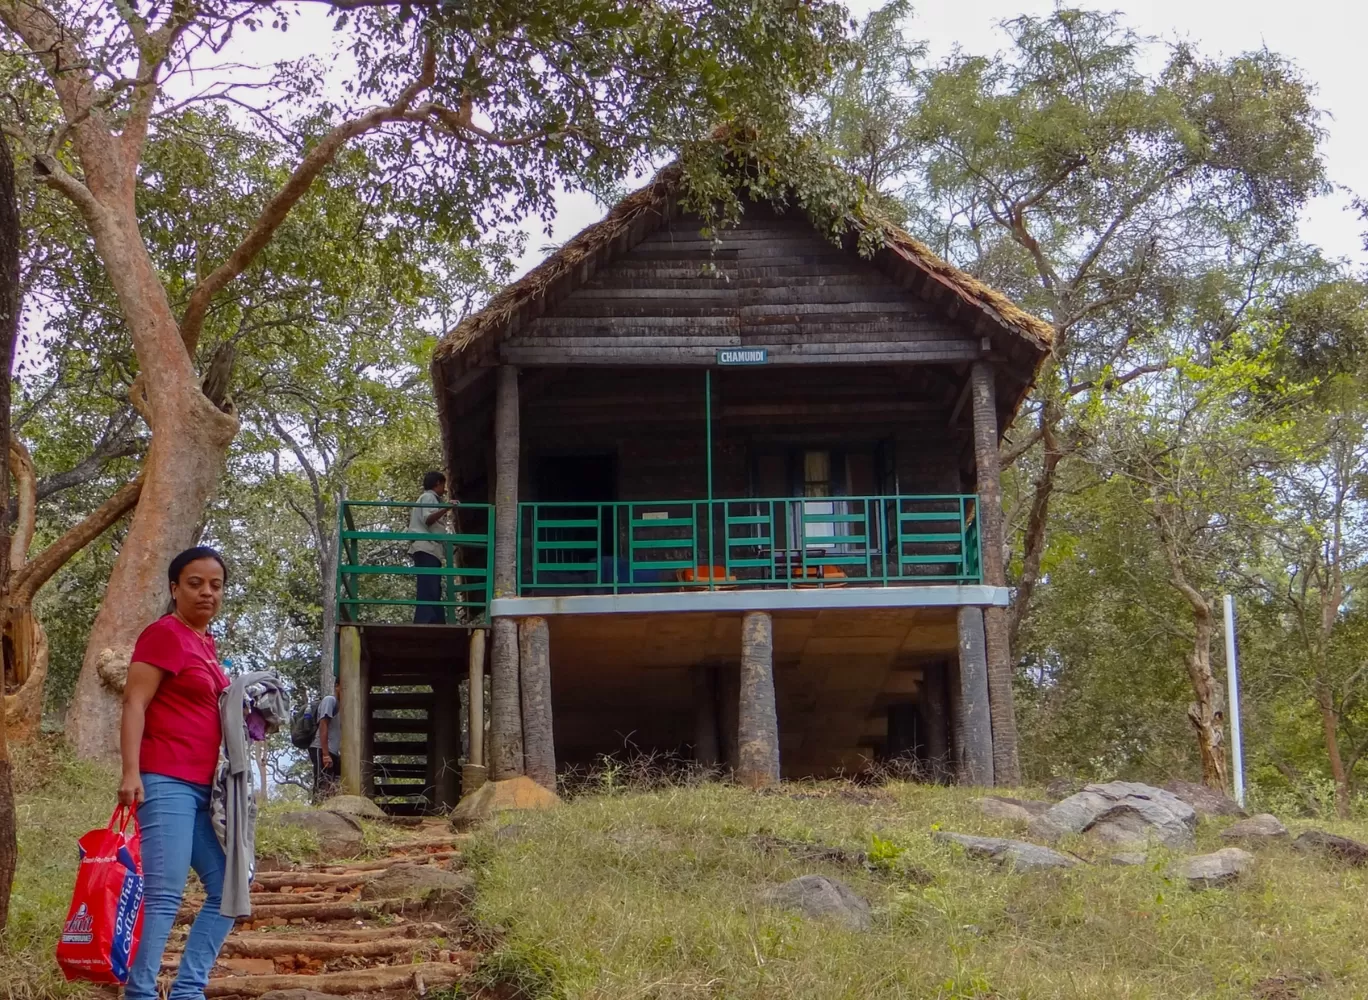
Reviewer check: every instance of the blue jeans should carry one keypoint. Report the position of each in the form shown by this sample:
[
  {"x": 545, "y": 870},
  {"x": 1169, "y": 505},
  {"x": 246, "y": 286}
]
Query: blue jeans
[{"x": 177, "y": 835}]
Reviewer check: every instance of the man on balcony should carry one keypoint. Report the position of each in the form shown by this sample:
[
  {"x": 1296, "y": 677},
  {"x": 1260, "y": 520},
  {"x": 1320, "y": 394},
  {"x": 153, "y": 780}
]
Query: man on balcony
[{"x": 424, "y": 518}]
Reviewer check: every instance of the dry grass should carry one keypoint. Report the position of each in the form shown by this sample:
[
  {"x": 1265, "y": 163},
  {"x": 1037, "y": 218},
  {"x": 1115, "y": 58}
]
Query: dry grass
[{"x": 652, "y": 895}]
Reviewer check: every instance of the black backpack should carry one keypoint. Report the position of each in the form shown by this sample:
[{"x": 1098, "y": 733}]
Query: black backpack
[{"x": 304, "y": 727}]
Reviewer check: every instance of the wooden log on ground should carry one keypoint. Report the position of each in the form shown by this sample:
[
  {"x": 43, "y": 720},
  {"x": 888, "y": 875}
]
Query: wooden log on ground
[
  {"x": 311, "y": 911},
  {"x": 272, "y": 898},
  {"x": 304, "y": 880},
  {"x": 384, "y": 977},
  {"x": 281, "y": 946}
]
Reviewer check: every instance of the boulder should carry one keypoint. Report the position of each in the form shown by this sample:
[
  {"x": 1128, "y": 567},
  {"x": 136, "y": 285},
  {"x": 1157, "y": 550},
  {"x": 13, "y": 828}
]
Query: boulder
[
  {"x": 1128, "y": 859},
  {"x": 1120, "y": 812},
  {"x": 1062, "y": 788},
  {"x": 339, "y": 836},
  {"x": 1206, "y": 801},
  {"x": 354, "y": 805},
  {"x": 1011, "y": 810},
  {"x": 821, "y": 898},
  {"x": 499, "y": 796},
  {"x": 1334, "y": 846},
  {"x": 1260, "y": 829},
  {"x": 1206, "y": 871},
  {"x": 420, "y": 882},
  {"x": 1015, "y": 854}
]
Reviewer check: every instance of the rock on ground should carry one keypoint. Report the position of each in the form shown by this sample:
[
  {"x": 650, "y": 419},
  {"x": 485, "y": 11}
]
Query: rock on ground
[
  {"x": 498, "y": 796},
  {"x": 339, "y": 836},
  {"x": 822, "y": 898},
  {"x": 1332, "y": 845},
  {"x": 418, "y": 882},
  {"x": 1120, "y": 812},
  {"x": 1204, "y": 800},
  {"x": 1206, "y": 871},
  {"x": 1012, "y": 810},
  {"x": 354, "y": 805},
  {"x": 1127, "y": 859},
  {"x": 1062, "y": 788},
  {"x": 1015, "y": 854},
  {"x": 1262, "y": 828}
]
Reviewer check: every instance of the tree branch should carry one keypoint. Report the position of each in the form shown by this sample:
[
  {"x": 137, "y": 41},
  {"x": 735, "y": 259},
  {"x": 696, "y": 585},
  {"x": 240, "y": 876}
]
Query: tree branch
[
  {"x": 271, "y": 217},
  {"x": 31, "y": 577}
]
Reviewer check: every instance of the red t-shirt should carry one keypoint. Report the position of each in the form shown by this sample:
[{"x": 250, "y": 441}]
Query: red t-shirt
[{"x": 181, "y": 735}]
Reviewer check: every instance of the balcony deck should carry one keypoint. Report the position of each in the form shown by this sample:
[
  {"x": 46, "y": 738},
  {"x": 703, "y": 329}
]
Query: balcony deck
[{"x": 675, "y": 556}]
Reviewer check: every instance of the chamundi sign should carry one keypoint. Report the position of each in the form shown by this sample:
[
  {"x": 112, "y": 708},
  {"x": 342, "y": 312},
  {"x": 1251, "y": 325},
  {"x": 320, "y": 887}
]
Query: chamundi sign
[{"x": 743, "y": 356}]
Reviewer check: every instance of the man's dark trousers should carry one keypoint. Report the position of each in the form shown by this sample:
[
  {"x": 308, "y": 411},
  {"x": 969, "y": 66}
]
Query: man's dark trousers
[{"x": 429, "y": 589}]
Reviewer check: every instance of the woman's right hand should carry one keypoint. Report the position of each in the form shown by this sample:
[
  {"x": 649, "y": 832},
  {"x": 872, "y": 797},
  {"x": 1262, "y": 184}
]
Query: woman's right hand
[{"x": 131, "y": 790}]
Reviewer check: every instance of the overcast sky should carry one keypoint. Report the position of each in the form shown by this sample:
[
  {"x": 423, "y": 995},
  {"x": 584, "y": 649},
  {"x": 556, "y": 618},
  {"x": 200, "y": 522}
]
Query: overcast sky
[{"x": 1325, "y": 37}]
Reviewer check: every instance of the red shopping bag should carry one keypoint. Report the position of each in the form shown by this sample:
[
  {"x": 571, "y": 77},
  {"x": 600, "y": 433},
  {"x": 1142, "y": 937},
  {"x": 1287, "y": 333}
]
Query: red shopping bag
[{"x": 100, "y": 936}]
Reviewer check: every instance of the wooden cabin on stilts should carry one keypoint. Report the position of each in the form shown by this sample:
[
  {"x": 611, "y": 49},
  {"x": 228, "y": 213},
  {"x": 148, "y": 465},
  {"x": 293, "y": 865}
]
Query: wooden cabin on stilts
[{"x": 733, "y": 496}]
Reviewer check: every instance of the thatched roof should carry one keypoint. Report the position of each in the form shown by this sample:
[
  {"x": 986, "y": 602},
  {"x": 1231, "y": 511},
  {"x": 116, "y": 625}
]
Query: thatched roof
[{"x": 642, "y": 211}]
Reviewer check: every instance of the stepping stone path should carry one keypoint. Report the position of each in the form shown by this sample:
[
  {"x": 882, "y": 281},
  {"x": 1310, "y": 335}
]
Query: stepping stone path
[
  {"x": 328, "y": 930},
  {"x": 1121, "y": 813},
  {"x": 1014, "y": 854},
  {"x": 1261, "y": 829}
]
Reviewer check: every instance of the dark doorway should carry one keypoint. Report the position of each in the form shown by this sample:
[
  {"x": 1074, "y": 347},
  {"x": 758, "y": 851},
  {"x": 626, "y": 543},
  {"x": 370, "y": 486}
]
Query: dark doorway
[{"x": 575, "y": 478}]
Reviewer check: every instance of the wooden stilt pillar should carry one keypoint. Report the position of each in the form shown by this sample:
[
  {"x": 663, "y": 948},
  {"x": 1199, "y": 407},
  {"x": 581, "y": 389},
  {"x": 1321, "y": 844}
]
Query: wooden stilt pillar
[
  {"x": 706, "y": 745},
  {"x": 935, "y": 712},
  {"x": 352, "y": 708},
  {"x": 534, "y": 665},
  {"x": 474, "y": 773},
  {"x": 444, "y": 756},
  {"x": 505, "y": 709},
  {"x": 758, "y": 724},
  {"x": 505, "y": 705},
  {"x": 1006, "y": 764},
  {"x": 973, "y": 727}
]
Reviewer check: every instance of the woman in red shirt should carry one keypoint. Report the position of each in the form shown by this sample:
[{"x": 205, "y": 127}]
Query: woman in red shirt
[{"x": 170, "y": 742}]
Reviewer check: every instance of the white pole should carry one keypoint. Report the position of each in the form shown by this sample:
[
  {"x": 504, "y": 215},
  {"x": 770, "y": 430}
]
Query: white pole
[{"x": 1233, "y": 687}]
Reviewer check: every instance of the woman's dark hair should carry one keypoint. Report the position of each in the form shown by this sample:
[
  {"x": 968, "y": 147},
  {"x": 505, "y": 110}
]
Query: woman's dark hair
[
  {"x": 178, "y": 564},
  {"x": 431, "y": 479}
]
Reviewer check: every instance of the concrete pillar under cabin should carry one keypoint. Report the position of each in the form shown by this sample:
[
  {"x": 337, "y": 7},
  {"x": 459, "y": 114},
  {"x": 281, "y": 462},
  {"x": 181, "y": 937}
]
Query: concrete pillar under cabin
[
  {"x": 444, "y": 748},
  {"x": 758, "y": 722},
  {"x": 934, "y": 703},
  {"x": 505, "y": 717},
  {"x": 534, "y": 665},
  {"x": 474, "y": 773},
  {"x": 707, "y": 751},
  {"x": 972, "y": 723},
  {"x": 1006, "y": 765},
  {"x": 352, "y": 709}
]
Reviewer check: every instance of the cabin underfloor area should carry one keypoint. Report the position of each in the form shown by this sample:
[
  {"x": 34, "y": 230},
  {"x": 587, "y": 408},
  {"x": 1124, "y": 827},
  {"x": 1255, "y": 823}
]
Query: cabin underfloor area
[{"x": 852, "y": 686}]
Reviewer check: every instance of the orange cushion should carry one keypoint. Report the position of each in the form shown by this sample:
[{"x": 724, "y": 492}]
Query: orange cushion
[{"x": 703, "y": 574}]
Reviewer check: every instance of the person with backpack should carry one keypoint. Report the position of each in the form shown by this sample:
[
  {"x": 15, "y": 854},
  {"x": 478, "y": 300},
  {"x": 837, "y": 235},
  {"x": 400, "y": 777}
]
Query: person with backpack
[{"x": 325, "y": 750}]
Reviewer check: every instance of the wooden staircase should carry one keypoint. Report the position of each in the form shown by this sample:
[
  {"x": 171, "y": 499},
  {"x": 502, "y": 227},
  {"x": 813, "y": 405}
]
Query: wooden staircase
[{"x": 400, "y": 728}]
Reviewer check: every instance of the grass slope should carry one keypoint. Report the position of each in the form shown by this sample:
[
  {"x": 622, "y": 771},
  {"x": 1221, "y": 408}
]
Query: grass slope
[{"x": 652, "y": 895}]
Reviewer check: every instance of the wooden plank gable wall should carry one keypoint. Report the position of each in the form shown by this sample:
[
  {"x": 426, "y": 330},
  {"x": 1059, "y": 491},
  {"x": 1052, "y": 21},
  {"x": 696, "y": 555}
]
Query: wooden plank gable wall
[{"x": 773, "y": 282}]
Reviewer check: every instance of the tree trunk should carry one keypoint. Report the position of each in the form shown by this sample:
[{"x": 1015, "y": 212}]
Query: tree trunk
[
  {"x": 9, "y": 329},
  {"x": 758, "y": 723},
  {"x": 1001, "y": 703},
  {"x": 1205, "y": 711},
  {"x": 1330, "y": 725},
  {"x": 327, "y": 567},
  {"x": 505, "y": 751},
  {"x": 534, "y": 668},
  {"x": 1033, "y": 545},
  {"x": 190, "y": 439}
]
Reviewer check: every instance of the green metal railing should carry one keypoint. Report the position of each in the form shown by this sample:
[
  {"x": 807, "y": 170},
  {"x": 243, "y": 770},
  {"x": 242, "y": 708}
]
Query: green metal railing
[
  {"x": 633, "y": 547},
  {"x": 376, "y": 579}
]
